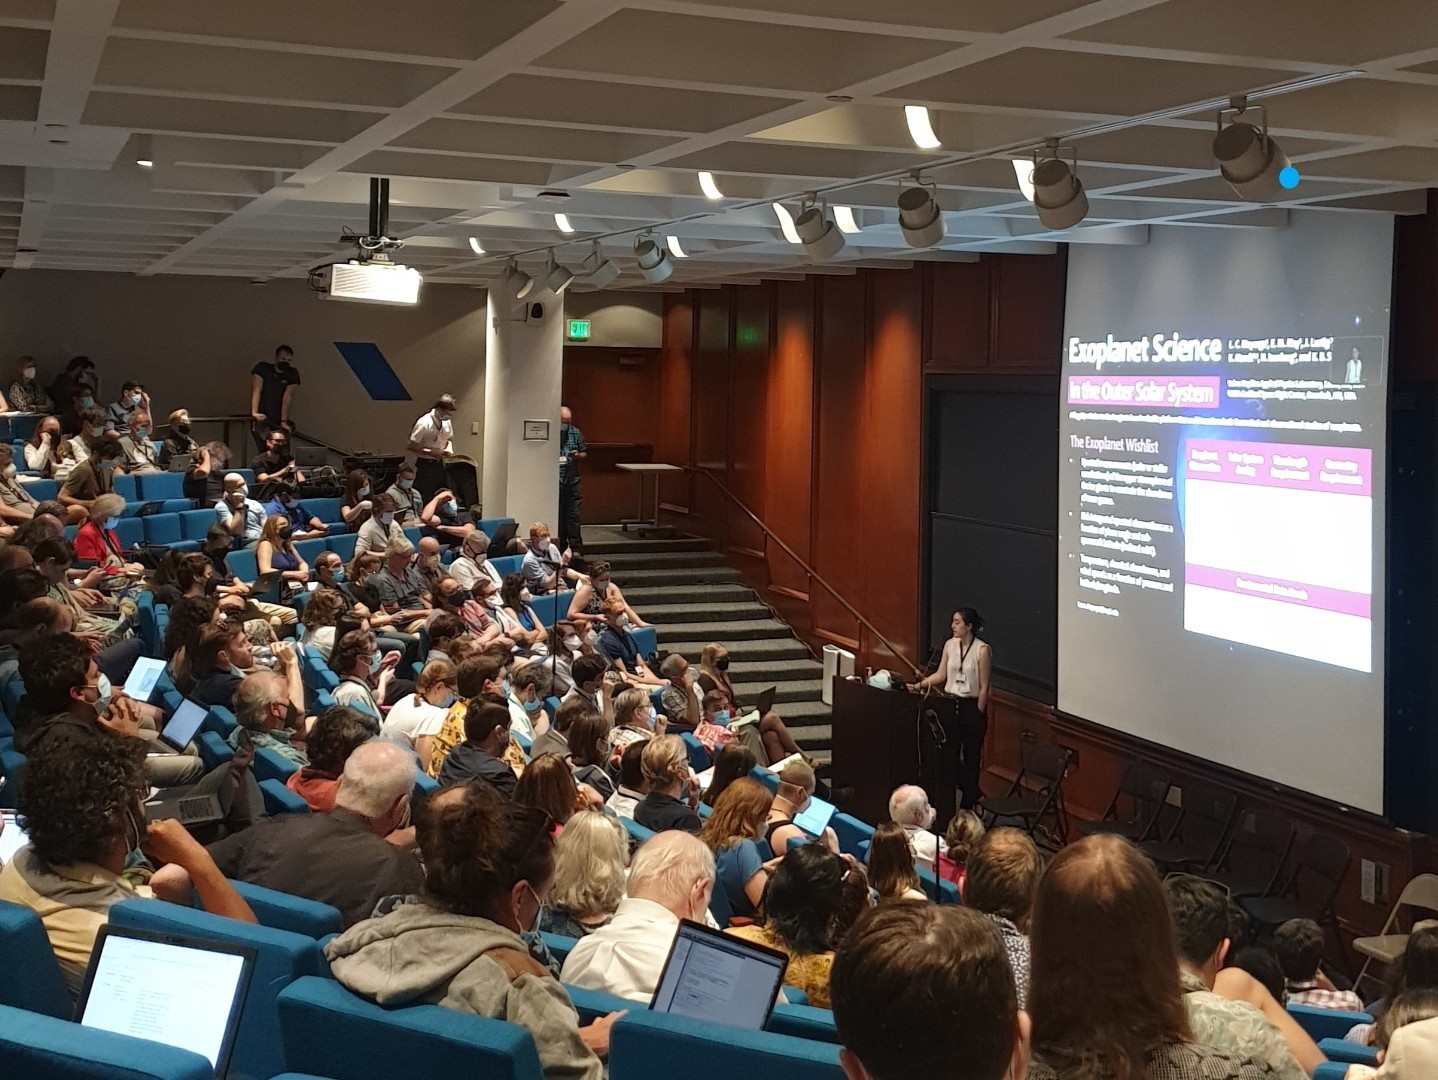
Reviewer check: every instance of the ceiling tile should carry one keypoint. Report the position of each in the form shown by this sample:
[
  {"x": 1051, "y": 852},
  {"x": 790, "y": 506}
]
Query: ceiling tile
[
  {"x": 1364, "y": 107},
  {"x": 884, "y": 126},
  {"x": 449, "y": 167},
  {"x": 522, "y": 140},
  {"x": 143, "y": 112},
  {"x": 976, "y": 16},
  {"x": 22, "y": 52},
  {"x": 1405, "y": 164},
  {"x": 804, "y": 161},
  {"x": 1174, "y": 147}
]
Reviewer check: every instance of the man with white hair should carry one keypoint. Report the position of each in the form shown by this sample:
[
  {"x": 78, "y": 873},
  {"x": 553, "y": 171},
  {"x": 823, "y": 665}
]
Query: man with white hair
[
  {"x": 909, "y": 807},
  {"x": 671, "y": 878},
  {"x": 402, "y": 589},
  {"x": 242, "y": 517},
  {"x": 340, "y": 858}
]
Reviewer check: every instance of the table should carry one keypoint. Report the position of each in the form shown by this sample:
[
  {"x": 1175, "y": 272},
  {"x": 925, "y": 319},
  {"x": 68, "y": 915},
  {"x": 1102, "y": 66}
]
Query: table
[{"x": 642, "y": 469}]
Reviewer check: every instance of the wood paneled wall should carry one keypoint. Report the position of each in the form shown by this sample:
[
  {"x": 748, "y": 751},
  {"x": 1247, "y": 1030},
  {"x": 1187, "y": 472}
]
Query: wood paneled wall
[{"x": 611, "y": 392}]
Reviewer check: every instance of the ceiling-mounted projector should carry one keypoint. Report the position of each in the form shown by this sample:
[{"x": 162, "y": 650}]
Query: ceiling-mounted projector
[{"x": 377, "y": 281}]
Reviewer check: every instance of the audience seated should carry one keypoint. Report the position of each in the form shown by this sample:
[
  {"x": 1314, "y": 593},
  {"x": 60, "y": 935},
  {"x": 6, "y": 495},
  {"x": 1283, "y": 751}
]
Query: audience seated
[
  {"x": 1219, "y": 1018},
  {"x": 732, "y": 833},
  {"x": 401, "y": 590},
  {"x": 1104, "y": 990},
  {"x": 591, "y": 592},
  {"x": 555, "y": 740},
  {"x": 734, "y": 762},
  {"x": 891, "y": 864},
  {"x": 117, "y": 413},
  {"x": 473, "y": 615},
  {"x": 91, "y": 478},
  {"x": 356, "y": 506},
  {"x": 617, "y": 645},
  {"x": 714, "y": 675},
  {"x": 381, "y": 530},
  {"x": 673, "y": 791},
  {"x": 335, "y": 734},
  {"x": 97, "y": 544},
  {"x": 1415, "y": 969},
  {"x": 964, "y": 831},
  {"x": 408, "y": 501},
  {"x": 367, "y": 676},
  {"x": 1298, "y": 944},
  {"x": 681, "y": 699},
  {"x": 1003, "y": 875},
  {"x": 488, "y": 864},
  {"x": 589, "y": 753},
  {"x": 267, "y": 719},
  {"x": 479, "y": 756},
  {"x": 909, "y": 807},
  {"x": 82, "y": 806},
  {"x": 444, "y": 519},
  {"x": 635, "y": 718},
  {"x": 416, "y": 718},
  {"x": 1260, "y": 962},
  {"x": 670, "y": 879},
  {"x": 812, "y": 900},
  {"x": 276, "y": 551},
  {"x": 475, "y": 675},
  {"x": 140, "y": 454},
  {"x": 340, "y": 857},
  {"x": 528, "y": 687},
  {"x": 204, "y": 480},
  {"x": 179, "y": 441},
  {"x": 42, "y": 448},
  {"x": 545, "y": 568},
  {"x": 591, "y": 858},
  {"x": 518, "y": 619},
  {"x": 473, "y": 562},
  {"x": 586, "y": 676},
  {"x": 17, "y": 505},
  {"x": 242, "y": 516},
  {"x": 796, "y": 788},
  {"x": 25, "y": 393},
  {"x": 1406, "y": 1039},
  {"x": 632, "y": 787},
  {"x": 548, "y": 784}
]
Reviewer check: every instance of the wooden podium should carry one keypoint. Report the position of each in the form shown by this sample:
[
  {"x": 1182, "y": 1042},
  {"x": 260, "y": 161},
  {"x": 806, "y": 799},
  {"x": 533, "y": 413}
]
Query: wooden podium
[{"x": 882, "y": 739}]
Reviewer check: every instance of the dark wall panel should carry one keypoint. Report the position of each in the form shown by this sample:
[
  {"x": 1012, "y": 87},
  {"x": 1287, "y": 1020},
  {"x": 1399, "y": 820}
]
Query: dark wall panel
[
  {"x": 748, "y": 411},
  {"x": 789, "y": 462}
]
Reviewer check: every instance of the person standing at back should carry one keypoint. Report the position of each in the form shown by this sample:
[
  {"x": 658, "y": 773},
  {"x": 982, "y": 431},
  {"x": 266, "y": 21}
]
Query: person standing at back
[
  {"x": 272, "y": 391},
  {"x": 572, "y": 450},
  {"x": 430, "y": 442}
]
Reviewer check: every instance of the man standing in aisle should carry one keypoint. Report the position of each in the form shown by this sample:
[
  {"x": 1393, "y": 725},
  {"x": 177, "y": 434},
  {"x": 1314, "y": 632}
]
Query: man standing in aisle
[
  {"x": 572, "y": 450},
  {"x": 430, "y": 442},
  {"x": 272, "y": 391}
]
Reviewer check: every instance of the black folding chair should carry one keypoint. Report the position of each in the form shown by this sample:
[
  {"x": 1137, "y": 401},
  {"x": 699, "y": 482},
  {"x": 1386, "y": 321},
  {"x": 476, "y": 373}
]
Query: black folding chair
[
  {"x": 1144, "y": 790},
  {"x": 1252, "y": 863},
  {"x": 1197, "y": 834},
  {"x": 1037, "y": 790},
  {"x": 1310, "y": 890}
]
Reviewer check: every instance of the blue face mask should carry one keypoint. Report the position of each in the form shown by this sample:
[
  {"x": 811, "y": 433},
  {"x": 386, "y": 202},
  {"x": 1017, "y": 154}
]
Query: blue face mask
[
  {"x": 338, "y": 573},
  {"x": 722, "y": 716},
  {"x": 449, "y": 700},
  {"x": 142, "y": 433},
  {"x": 103, "y": 691},
  {"x": 111, "y": 523},
  {"x": 533, "y": 706},
  {"x": 652, "y": 717},
  {"x": 405, "y": 485},
  {"x": 107, "y": 466},
  {"x": 375, "y": 661},
  {"x": 506, "y": 688},
  {"x": 87, "y": 402},
  {"x": 386, "y": 520},
  {"x": 451, "y": 507}
]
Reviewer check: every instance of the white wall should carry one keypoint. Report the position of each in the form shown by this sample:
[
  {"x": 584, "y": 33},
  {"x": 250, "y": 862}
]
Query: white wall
[
  {"x": 631, "y": 320},
  {"x": 193, "y": 340}
]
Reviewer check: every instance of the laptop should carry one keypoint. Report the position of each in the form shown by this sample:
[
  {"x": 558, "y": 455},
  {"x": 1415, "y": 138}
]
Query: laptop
[
  {"x": 182, "y": 727},
  {"x": 311, "y": 457},
  {"x": 760, "y": 710},
  {"x": 499, "y": 542},
  {"x": 714, "y": 976},
  {"x": 12, "y": 837},
  {"x": 814, "y": 818},
  {"x": 143, "y": 677},
  {"x": 180, "y": 462},
  {"x": 168, "y": 988},
  {"x": 265, "y": 582}
]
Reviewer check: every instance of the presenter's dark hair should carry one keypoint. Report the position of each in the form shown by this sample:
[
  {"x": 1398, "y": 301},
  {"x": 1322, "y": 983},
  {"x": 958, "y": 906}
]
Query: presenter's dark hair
[{"x": 972, "y": 618}]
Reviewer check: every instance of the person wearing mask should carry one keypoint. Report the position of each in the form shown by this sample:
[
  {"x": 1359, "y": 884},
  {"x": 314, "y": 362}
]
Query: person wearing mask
[
  {"x": 473, "y": 562},
  {"x": 117, "y": 414},
  {"x": 778, "y": 742},
  {"x": 1104, "y": 991},
  {"x": 90, "y": 848},
  {"x": 1003, "y": 876},
  {"x": 796, "y": 788},
  {"x": 78, "y": 380},
  {"x": 179, "y": 441},
  {"x": 97, "y": 543},
  {"x": 964, "y": 669},
  {"x": 267, "y": 717},
  {"x": 96, "y": 615},
  {"x": 591, "y": 594},
  {"x": 401, "y": 589},
  {"x": 632, "y": 787},
  {"x": 452, "y": 599},
  {"x": 78, "y": 402},
  {"x": 242, "y": 517},
  {"x": 479, "y": 756},
  {"x": 286, "y": 501},
  {"x": 909, "y": 807},
  {"x": 812, "y": 900},
  {"x": 357, "y": 504},
  {"x": 591, "y": 858},
  {"x": 529, "y": 686},
  {"x": 272, "y": 393},
  {"x": 431, "y": 441},
  {"x": 222, "y": 657},
  {"x": 617, "y": 645},
  {"x": 732, "y": 763},
  {"x": 906, "y": 971},
  {"x": 335, "y": 734},
  {"x": 713, "y": 727},
  {"x": 408, "y": 502},
  {"x": 586, "y": 676},
  {"x": 25, "y": 393},
  {"x": 17, "y": 505},
  {"x": 381, "y": 530},
  {"x": 681, "y": 699},
  {"x": 427, "y": 561},
  {"x": 367, "y": 676},
  {"x": 732, "y": 832},
  {"x": 488, "y": 866},
  {"x": 635, "y": 718},
  {"x": 671, "y": 878},
  {"x": 572, "y": 451},
  {"x": 275, "y": 465},
  {"x": 140, "y": 454},
  {"x": 42, "y": 448},
  {"x": 673, "y": 790},
  {"x": 416, "y": 718},
  {"x": 589, "y": 755},
  {"x": 341, "y": 857},
  {"x": 518, "y": 619},
  {"x": 476, "y": 676},
  {"x": 545, "y": 568},
  {"x": 205, "y": 478},
  {"x": 276, "y": 551},
  {"x": 93, "y": 477},
  {"x": 443, "y": 517}
]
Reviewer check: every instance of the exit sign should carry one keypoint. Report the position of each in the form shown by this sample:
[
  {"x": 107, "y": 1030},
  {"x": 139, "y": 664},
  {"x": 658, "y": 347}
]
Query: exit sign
[{"x": 578, "y": 329}]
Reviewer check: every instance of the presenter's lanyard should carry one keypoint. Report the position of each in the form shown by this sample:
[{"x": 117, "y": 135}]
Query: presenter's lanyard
[{"x": 964, "y": 652}]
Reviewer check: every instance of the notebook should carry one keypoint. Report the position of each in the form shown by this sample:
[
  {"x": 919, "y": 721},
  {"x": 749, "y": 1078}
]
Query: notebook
[
  {"x": 714, "y": 976},
  {"x": 184, "y": 725},
  {"x": 169, "y": 989},
  {"x": 143, "y": 677}
]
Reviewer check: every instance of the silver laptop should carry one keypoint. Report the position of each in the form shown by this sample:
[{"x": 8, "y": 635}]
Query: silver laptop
[{"x": 714, "y": 976}]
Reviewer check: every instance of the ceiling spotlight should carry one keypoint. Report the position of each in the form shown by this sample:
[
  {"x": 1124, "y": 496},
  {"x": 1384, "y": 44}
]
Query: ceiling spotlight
[
  {"x": 709, "y": 187},
  {"x": 562, "y": 220},
  {"x": 786, "y": 223},
  {"x": 144, "y": 163},
  {"x": 921, "y": 127},
  {"x": 654, "y": 264},
  {"x": 920, "y": 218},
  {"x": 675, "y": 248},
  {"x": 1252, "y": 163},
  {"x": 556, "y": 277},
  {"x": 515, "y": 282},
  {"x": 844, "y": 218},
  {"x": 822, "y": 238},
  {"x": 1058, "y": 193},
  {"x": 597, "y": 271},
  {"x": 1024, "y": 174},
  {"x": 475, "y": 246}
]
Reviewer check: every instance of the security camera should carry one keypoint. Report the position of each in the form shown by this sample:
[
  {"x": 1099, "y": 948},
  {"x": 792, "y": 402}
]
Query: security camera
[{"x": 534, "y": 312}]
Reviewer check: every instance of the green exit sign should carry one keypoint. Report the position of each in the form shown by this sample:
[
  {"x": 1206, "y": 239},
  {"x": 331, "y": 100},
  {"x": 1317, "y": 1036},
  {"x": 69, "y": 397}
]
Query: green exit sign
[{"x": 578, "y": 329}]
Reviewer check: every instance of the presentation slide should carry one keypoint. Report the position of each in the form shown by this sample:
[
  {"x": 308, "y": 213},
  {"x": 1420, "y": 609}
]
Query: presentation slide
[{"x": 1221, "y": 485}]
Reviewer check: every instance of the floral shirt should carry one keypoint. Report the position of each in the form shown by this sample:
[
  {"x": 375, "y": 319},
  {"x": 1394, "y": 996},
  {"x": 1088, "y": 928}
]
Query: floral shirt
[{"x": 1236, "y": 1027}]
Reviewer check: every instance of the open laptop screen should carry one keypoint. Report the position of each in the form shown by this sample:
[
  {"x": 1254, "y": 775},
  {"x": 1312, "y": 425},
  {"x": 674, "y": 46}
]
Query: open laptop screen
[
  {"x": 169, "y": 989},
  {"x": 143, "y": 677},
  {"x": 184, "y": 725},
  {"x": 716, "y": 977}
]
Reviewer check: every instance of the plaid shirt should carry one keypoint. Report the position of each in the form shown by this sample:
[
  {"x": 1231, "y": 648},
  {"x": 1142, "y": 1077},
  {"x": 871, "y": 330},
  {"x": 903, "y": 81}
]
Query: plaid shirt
[
  {"x": 571, "y": 442},
  {"x": 1311, "y": 994},
  {"x": 1016, "y": 944}
]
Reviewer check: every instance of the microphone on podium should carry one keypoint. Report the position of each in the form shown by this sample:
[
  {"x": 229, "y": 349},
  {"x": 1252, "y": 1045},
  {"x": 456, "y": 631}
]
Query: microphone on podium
[{"x": 936, "y": 729}]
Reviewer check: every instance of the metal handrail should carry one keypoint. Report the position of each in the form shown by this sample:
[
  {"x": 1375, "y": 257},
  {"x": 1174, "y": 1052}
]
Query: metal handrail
[
  {"x": 769, "y": 534},
  {"x": 245, "y": 418}
]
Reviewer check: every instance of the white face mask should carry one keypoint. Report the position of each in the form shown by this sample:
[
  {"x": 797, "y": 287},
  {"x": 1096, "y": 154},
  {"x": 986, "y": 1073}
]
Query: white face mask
[
  {"x": 28, "y": 373},
  {"x": 10, "y": 471},
  {"x": 525, "y": 596}
]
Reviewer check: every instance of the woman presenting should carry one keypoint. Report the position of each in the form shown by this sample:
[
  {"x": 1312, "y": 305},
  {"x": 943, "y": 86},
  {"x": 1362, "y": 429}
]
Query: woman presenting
[{"x": 964, "y": 673}]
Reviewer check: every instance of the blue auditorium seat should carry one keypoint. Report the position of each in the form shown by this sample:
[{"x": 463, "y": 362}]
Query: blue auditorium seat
[
  {"x": 32, "y": 974},
  {"x": 311, "y": 549},
  {"x": 509, "y": 564},
  {"x": 176, "y": 506},
  {"x": 279, "y": 799},
  {"x": 851, "y": 832},
  {"x": 131, "y": 532},
  {"x": 269, "y": 765},
  {"x": 242, "y": 564},
  {"x": 10, "y": 762},
  {"x": 636, "y": 831},
  {"x": 766, "y": 777},
  {"x": 331, "y": 1032},
  {"x": 802, "y": 1021},
  {"x": 342, "y": 544},
  {"x": 646, "y": 639},
  {"x": 214, "y": 750},
  {"x": 282, "y": 957},
  {"x": 195, "y": 524},
  {"x": 248, "y": 474},
  {"x": 132, "y": 509},
  {"x": 551, "y": 607},
  {"x": 149, "y": 629},
  {"x": 70, "y": 532},
  {"x": 38, "y": 1047},
  {"x": 592, "y": 1004},
  {"x": 163, "y": 485},
  {"x": 42, "y": 489},
  {"x": 11, "y": 694},
  {"x": 221, "y": 719},
  {"x": 1326, "y": 1023},
  {"x": 126, "y": 487},
  {"x": 327, "y": 510},
  {"x": 425, "y": 784},
  {"x": 414, "y": 536},
  {"x": 490, "y": 526},
  {"x": 281, "y": 911},
  {"x": 162, "y": 529},
  {"x": 559, "y": 946},
  {"x": 647, "y": 1044},
  {"x": 698, "y": 753},
  {"x": 1350, "y": 1053}
]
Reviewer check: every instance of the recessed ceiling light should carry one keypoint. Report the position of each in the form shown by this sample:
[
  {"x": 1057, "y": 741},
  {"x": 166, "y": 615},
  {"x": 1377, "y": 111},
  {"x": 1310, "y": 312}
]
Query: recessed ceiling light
[
  {"x": 1024, "y": 174},
  {"x": 144, "y": 163},
  {"x": 675, "y": 248},
  {"x": 562, "y": 221},
  {"x": 475, "y": 246},
  {"x": 839, "y": 99},
  {"x": 709, "y": 187},
  {"x": 921, "y": 127},
  {"x": 786, "y": 223},
  {"x": 844, "y": 218}
]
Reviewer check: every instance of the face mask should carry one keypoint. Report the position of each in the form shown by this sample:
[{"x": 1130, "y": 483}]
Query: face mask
[
  {"x": 572, "y": 643},
  {"x": 591, "y": 637},
  {"x": 362, "y": 492},
  {"x": 722, "y": 663},
  {"x": 142, "y": 433},
  {"x": 386, "y": 520},
  {"x": 212, "y": 585},
  {"x": 286, "y": 533},
  {"x": 243, "y": 491},
  {"x": 338, "y": 574},
  {"x": 28, "y": 373},
  {"x": 600, "y": 584},
  {"x": 375, "y": 661},
  {"x": 237, "y": 672},
  {"x": 107, "y": 466},
  {"x": 651, "y": 715},
  {"x": 623, "y": 622},
  {"x": 87, "y": 402},
  {"x": 10, "y": 471},
  {"x": 458, "y": 598},
  {"x": 451, "y": 507},
  {"x": 133, "y": 400},
  {"x": 525, "y": 596},
  {"x": 133, "y": 855},
  {"x": 449, "y": 699},
  {"x": 505, "y": 689},
  {"x": 405, "y": 485},
  {"x": 534, "y": 706},
  {"x": 111, "y": 523},
  {"x": 494, "y": 600},
  {"x": 722, "y": 716},
  {"x": 103, "y": 690},
  {"x": 538, "y": 911},
  {"x": 182, "y": 429}
]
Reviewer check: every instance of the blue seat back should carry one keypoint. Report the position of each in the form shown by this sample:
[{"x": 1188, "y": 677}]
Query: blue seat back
[
  {"x": 293, "y": 913},
  {"x": 647, "y": 1044},
  {"x": 10, "y": 762},
  {"x": 39, "y": 1047},
  {"x": 851, "y": 832},
  {"x": 802, "y": 1021},
  {"x": 41, "y": 489},
  {"x": 637, "y": 831},
  {"x": 126, "y": 487},
  {"x": 769, "y": 779},
  {"x": 243, "y": 564},
  {"x": 194, "y": 524},
  {"x": 269, "y": 765},
  {"x": 698, "y": 753},
  {"x": 414, "y": 536},
  {"x": 177, "y": 506},
  {"x": 32, "y": 974},
  {"x": 164, "y": 485},
  {"x": 331, "y": 1032},
  {"x": 552, "y": 607},
  {"x": 327, "y": 510},
  {"x": 490, "y": 526},
  {"x": 311, "y": 549},
  {"x": 559, "y": 946},
  {"x": 342, "y": 544},
  {"x": 509, "y": 564},
  {"x": 161, "y": 528},
  {"x": 1326, "y": 1023},
  {"x": 130, "y": 531},
  {"x": 646, "y": 640},
  {"x": 214, "y": 751},
  {"x": 281, "y": 958},
  {"x": 279, "y": 799},
  {"x": 149, "y": 627}
]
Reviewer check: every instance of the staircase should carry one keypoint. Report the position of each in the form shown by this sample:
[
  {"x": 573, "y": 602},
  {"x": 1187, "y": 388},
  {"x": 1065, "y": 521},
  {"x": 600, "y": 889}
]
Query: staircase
[{"x": 691, "y": 597}]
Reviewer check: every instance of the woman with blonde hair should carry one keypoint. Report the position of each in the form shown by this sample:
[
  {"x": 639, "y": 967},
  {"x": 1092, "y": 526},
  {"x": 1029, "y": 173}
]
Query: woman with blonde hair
[
  {"x": 97, "y": 543},
  {"x": 891, "y": 864},
  {"x": 732, "y": 832},
  {"x": 416, "y": 718},
  {"x": 965, "y": 830},
  {"x": 276, "y": 551},
  {"x": 590, "y": 860},
  {"x": 776, "y": 740}
]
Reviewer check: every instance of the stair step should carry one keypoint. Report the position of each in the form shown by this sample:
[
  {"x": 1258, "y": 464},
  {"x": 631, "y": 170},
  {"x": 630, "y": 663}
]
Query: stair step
[
  {"x": 758, "y": 650},
  {"x": 722, "y": 592},
  {"x": 605, "y": 549},
  {"x": 725, "y": 632},
  {"x": 813, "y": 738},
  {"x": 697, "y": 612},
  {"x": 799, "y": 690},
  {"x": 687, "y": 575},
  {"x": 662, "y": 560},
  {"x": 772, "y": 671}
]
